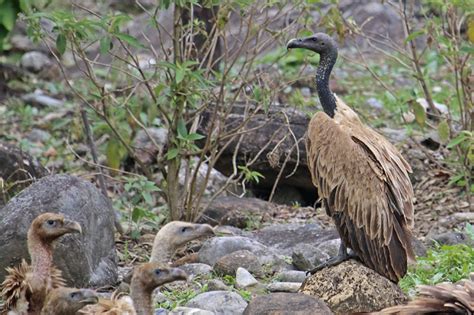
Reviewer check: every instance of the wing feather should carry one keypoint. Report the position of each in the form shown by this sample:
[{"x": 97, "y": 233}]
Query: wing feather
[{"x": 365, "y": 181}]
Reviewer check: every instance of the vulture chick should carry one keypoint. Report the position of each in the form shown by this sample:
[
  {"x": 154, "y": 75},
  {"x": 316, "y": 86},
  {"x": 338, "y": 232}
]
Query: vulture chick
[
  {"x": 146, "y": 278},
  {"x": 67, "y": 301},
  {"x": 26, "y": 286},
  {"x": 174, "y": 235},
  {"x": 361, "y": 177},
  {"x": 443, "y": 298}
]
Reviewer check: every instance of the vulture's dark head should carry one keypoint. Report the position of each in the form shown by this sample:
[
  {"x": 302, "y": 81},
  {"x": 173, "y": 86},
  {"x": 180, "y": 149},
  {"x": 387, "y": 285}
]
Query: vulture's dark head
[{"x": 319, "y": 43}]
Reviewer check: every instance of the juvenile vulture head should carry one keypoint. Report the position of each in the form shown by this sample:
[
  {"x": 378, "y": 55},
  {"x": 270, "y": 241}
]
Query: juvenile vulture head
[
  {"x": 67, "y": 301},
  {"x": 319, "y": 43},
  {"x": 174, "y": 235},
  {"x": 47, "y": 227}
]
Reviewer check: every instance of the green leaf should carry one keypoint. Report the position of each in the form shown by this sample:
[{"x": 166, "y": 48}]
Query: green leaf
[
  {"x": 180, "y": 73},
  {"x": 171, "y": 154},
  {"x": 105, "y": 44},
  {"x": 414, "y": 35},
  {"x": 182, "y": 131},
  {"x": 137, "y": 214},
  {"x": 456, "y": 141},
  {"x": 420, "y": 113},
  {"x": 147, "y": 197},
  {"x": 113, "y": 154},
  {"x": 194, "y": 136},
  {"x": 443, "y": 131},
  {"x": 132, "y": 41},
  {"x": 61, "y": 43}
]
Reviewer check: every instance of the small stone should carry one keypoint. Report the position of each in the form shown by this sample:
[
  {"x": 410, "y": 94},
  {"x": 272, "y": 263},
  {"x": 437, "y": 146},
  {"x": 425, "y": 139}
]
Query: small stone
[
  {"x": 41, "y": 100},
  {"x": 291, "y": 276},
  {"x": 229, "y": 264},
  {"x": 216, "y": 285},
  {"x": 197, "y": 269},
  {"x": 290, "y": 287},
  {"x": 286, "y": 304},
  {"x": 38, "y": 135},
  {"x": 306, "y": 92},
  {"x": 375, "y": 103},
  {"x": 244, "y": 278},
  {"x": 35, "y": 61}
]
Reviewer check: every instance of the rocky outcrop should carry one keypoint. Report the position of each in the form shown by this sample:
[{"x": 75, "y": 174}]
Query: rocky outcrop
[
  {"x": 286, "y": 304},
  {"x": 88, "y": 259},
  {"x": 351, "y": 287}
]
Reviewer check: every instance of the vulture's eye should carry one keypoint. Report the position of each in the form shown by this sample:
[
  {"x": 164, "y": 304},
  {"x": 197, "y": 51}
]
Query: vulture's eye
[
  {"x": 323, "y": 43},
  {"x": 51, "y": 222},
  {"x": 184, "y": 229},
  {"x": 74, "y": 295},
  {"x": 157, "y": 272}
]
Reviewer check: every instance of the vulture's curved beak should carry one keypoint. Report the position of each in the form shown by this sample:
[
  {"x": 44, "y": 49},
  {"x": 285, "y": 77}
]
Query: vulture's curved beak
[
  {"x": 294, "y": 43},
  {"x": 72, "y": 226}
]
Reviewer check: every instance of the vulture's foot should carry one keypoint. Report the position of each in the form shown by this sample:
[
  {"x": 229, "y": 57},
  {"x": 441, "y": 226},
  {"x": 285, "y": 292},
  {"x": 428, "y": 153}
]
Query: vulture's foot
[{"x": 342, "y": 256}]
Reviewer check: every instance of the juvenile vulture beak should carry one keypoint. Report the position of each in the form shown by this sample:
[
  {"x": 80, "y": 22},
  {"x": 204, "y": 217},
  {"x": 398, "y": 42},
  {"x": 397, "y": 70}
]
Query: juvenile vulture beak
[
  {"x": 179, "y": 274},
  {"x": 72, "y": 226},
  {"x": 89, "y": 297}
]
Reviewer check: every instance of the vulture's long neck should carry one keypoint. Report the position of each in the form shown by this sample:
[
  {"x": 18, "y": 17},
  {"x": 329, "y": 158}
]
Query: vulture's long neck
[
  {"x": 326, "y": 97},
  {"x": 141, "y": 298},
  {"x": 41, "y": 254}
]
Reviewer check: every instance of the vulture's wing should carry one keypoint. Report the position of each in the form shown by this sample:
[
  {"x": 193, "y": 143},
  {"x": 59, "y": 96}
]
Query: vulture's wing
[
  {"x": 57, "y": 279},
  {"x": 16, "y": 289},
  {"x": 364, "y": 191}
]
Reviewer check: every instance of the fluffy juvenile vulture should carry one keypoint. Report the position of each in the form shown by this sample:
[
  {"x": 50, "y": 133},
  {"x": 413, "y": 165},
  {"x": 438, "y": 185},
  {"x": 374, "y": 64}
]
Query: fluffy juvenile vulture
[
  {"x": 26, "y": 286},
  {"x": 444, "y": 298},
  {"x": 67, "y": 301},
  {"x": 146, "y": 278},
  {"x": 174, "y": 235},
  {"x": 361, "y": 177}
]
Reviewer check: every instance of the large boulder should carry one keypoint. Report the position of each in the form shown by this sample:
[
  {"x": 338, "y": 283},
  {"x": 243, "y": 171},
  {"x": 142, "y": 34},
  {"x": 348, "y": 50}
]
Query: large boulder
[
  {"x": 286, "y": 304},
  {"x": 350, "y": 287},
  {"x": 86, "y": 260}
]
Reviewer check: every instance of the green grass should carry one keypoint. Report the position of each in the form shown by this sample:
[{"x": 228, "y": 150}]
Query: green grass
[{"x": 444, "y": 263}]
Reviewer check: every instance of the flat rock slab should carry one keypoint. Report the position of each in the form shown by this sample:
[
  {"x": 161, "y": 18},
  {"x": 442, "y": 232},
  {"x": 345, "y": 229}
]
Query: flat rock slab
[
  {"x": 351, "y": 287},
  {"x": 286, "y": 304},
  {"x": 86, "y": 260},
  {"x": 219, "y": 302}
]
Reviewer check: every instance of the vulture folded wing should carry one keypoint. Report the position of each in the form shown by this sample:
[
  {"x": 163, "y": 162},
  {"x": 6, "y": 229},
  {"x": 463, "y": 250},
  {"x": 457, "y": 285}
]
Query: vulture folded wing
[
  {"x": 363, "y": 199},
  {"x": 16, "y": 289}
]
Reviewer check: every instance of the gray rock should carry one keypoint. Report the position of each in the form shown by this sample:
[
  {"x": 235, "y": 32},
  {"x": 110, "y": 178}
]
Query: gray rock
[
  {"x": 214, "y": 182},
  {"x": 291, "y": 287},
  {"x": 244, "y": 279},
  {"x": 86, "y": 260},
  {"x": 228, "y": 264},
  {"x": 216, "y": 285},
  {"x": 38, "y": 135},
  {"x": 217, "y": 247},
  {"x": 35, "y": 61},
  {"x": 291, "y": 276},
  {"x": 374, "y": 103},
  {"x": 147, "y": 149},
  {"x": 190, "y": 311},
  {"x": 161, "y": 311},
  {"x": 286, "y": 304},
  {"x": 219, "y": 302},
  {"x": 451, "y": 238},
  {"x": 285, "y": 237},
  {"x": 197, "y": 269},
  {"x": 351, "y": 287},
  {"x": 42, "y": 100},
  {"x": 326, "y": 250},
  {"x": 394, "y": 135}
]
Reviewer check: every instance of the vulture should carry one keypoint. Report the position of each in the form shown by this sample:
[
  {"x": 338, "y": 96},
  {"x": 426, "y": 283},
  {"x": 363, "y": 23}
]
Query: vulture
[
  {"x": 443, "y": 298},
  {"x": 146, "y": 278},
  {"x": 26, "y": 286},
  {"x": 67, "y": 301},
  {"x": 361, "y": 178},
  {"x": 174, "y": 235}
]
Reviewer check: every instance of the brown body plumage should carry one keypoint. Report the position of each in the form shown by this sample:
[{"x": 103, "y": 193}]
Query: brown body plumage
[
  {"x": 146, "y": 278},
  {"x": 67, "y": 301},
  {"x": 444, "y": 298},
  {"x": 361, "y": 177},
  {"x": 26, "y": 286}
]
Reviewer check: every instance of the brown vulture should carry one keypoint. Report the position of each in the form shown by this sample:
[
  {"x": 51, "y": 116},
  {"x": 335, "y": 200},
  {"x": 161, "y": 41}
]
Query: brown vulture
[
  {"x": 26, "y": 286},
  {"x": 443, "y": 298},
  {"x": 67, "y": 301},
  {"x": 146, "y": 278},
  {"x": 361, "y": 177}
]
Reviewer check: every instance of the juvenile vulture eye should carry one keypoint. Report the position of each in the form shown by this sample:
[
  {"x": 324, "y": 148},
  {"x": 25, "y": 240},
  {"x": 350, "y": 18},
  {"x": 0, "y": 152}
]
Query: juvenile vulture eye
[
  {"x": 184, "y": 229},
  {"x": 51, "y": 222},
  {"x": 157, "y": 271},
  {"x": 323, "y": 43},
  {"x": 73, "y": 295}
]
